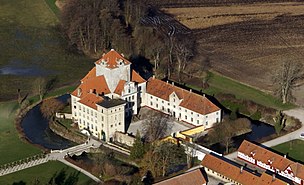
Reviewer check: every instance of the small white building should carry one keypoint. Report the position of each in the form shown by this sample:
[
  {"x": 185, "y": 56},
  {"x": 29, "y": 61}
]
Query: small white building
[{"x": 112, "y": 91}]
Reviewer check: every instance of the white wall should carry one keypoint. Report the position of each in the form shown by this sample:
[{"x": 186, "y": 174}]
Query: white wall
[
  {"x": 113, "y": 76},
  {"x": 172, "y": 108}
]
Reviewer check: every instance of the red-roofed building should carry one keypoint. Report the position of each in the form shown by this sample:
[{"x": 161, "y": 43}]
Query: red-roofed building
[
  {"x": 228, "y": 172},
  {"x": 194, "y": 177},
  {"x": 271, "y": 161},
  {"x": 112, "y": 90}
]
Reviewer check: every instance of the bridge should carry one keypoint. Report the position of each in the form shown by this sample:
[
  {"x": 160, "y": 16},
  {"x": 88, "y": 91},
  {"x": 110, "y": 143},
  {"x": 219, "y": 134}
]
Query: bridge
[{"x": 57, "y": 155}]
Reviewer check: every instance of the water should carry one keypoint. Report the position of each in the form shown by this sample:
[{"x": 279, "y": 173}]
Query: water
[
  {"x": 15, "y": 67},
  {"x": 36, "y": 129}
]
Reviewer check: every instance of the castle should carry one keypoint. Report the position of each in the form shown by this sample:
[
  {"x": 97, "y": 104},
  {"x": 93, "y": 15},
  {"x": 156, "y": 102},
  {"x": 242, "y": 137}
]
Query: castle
[{"x": 112, "y": 91}]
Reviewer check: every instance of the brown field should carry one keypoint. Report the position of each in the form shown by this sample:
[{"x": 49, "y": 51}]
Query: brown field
[{"x": 248, "y": 42}]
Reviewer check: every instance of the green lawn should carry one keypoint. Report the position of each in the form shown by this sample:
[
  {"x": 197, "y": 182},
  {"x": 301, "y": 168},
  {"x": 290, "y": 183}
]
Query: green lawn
[
  {"x": 295, "y": 149},
  {"x": 31, "y": 40},
  {"x": 11, "y": 147},
  {"x": 43, "y": 173},
  {"x": 221, "y": 84}
]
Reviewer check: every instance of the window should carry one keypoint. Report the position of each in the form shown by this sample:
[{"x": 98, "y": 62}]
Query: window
[
  {"x": 111, "y": 126},
  {"x": 163, "y": 108},
  {"x": 168, "y": 110},
  {"x": 79, "y": 107},
  {"x": 156, "y": 105},
  {"x": 119, "y": 123},
  {"x": 191, "y": 113},
  {"x": 88, "y": 111},
  {"x": 206, "y": 116},
  {"x": 151, "y": 97},
  {"x": 185, "y": 110},
  {"x": 133, "y": 97},
  {"x": 217, "y": 120},
  {"x": 74, "y": 106},
  {"x": 216, "y": 113},
  {"x": 129, "y": 90},
  {"x": 95, "y": 114},
  {"x": 91, "y": 113},
  {"x": 101, "y": 118},
  {"x": 206, "y": 123},
  {"x": 151, "y": 103},
  {"x": 185, "y": 116},
  {"x": 197, "y": 122},
  {"x": 191, "y": 119},
  {"x": 139, "y": 88},
  {"x": 101, "y": 125},
  {"x": 95, "y": 128},
  {"x": 156, "y": 99},
  {"x": 92, "y": 126}
]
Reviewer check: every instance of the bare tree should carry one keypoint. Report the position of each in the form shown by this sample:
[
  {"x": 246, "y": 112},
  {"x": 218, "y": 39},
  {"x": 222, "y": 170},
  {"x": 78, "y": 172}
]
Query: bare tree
[
  {"x": 286, "y": 78},
  {"x": 156, "y": 126},
  {"x": 224, "y": 132},
  {"x": 183, "y": 51},
  {"x": 39, "y": 87}
]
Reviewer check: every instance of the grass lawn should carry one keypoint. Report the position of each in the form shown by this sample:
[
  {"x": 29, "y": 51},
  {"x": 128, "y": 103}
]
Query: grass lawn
[
  {"x": 221, "y": 84},
  {"x": 33, "y": 45},
  {"x": 294, "y": 148},
  {"x": 11, "y": 147},
  {"x": 43, "y": 173}
]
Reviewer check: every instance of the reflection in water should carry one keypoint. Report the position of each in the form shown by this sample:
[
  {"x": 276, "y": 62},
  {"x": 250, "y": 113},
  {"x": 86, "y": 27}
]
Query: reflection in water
[{"x": 35, "y": 128}]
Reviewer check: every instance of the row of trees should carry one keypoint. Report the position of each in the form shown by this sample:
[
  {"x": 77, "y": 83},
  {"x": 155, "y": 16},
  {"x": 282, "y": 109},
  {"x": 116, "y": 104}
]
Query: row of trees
[{"x": 131, "y": 27}]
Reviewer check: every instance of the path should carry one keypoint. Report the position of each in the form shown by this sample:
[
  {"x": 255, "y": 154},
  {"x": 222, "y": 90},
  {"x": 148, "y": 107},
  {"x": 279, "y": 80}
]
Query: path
[
  {"x": 297, "y": 113},
  {"x": 58, "y": 155}
]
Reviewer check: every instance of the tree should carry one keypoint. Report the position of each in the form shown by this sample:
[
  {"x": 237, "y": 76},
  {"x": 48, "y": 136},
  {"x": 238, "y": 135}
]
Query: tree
[
  {"x": 50, "y": 106},
  {"x": 184, "y": 50},
  {"x": 279, "y": 122},
  {"x": 156, "y": 126},
  {"x": 39, "y": 87},
  {"x": 285, "y": 79},
  {"x": 138, "y": 149},
  {"x": 224, "y": 131},
  {"x": 163, "y": 157}
]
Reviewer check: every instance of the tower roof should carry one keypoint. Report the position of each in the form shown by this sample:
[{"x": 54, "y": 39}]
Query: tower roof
[{"x": 112, "y": 59}]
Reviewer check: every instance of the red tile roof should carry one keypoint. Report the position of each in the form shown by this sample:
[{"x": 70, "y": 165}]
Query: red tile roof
[
  {"x": 233, "y": 172},
  {"x": 112, "y": 59},
  {"x": 278, "y": 161},
  {"x": 266, "y": 179},
  {"x": 120, "y": 87},
  {"x": 191, "y": 101},
  {"x": 135, "y": 77},
  {"x": 194, "y": 177},
  {"x": 95, "y": 84},
  {"x": 91, "y": 100},
  {"x": 90, "y": 74}
]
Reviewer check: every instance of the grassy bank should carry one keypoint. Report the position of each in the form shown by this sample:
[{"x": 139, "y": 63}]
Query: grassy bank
[
  {"x": 11, "y": 147},
  {"x": 294, "y": 149},
  {"x": 34, "y": 46},
  {"x": 43, "y": 173},
  {"x": 220, "y": 84}
]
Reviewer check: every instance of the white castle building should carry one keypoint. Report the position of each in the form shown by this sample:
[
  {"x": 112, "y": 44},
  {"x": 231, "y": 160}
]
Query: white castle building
[{"x": 112, "y": 91}]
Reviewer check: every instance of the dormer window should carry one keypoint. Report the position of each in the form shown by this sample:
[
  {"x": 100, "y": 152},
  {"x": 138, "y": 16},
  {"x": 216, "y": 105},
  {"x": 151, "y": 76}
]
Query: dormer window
[
  {"x": 270, "y": 161},
  {"x": 252, "y": 153}
]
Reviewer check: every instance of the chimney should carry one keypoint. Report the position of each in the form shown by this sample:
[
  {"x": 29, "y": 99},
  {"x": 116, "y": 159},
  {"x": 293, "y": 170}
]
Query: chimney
[
  {"x": 153, "y": 76},
  {"x": 273, "y": 177},
  {"x": 91, "y": 90},
  {"x": 204, "y": 94},
  {"x": 241, "y": 169},
  {"x": 285, "y": 156},
  {"x": 172, "y": 83},
  {"x": 167, "y": 81},
  {"x": 79, "y": 92},
  {"x": 190, "y": 90},
  {"x": 122, "y": 55},
  {"x": 112, "y": 50}
]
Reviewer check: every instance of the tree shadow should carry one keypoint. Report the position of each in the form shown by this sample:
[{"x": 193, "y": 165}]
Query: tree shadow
[{"x": 142, "y": 65}]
